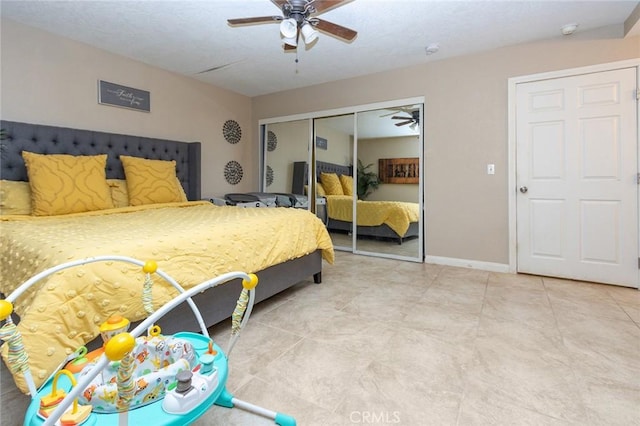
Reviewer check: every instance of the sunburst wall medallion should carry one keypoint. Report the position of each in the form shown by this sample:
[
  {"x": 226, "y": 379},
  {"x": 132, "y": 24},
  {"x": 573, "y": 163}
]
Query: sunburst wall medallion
[
  {"x": 269, "y": 175},
  {"x": 233, "y": 172},
  {"x": 272, "y": 141},
  {"x": 232, "y": 131}
]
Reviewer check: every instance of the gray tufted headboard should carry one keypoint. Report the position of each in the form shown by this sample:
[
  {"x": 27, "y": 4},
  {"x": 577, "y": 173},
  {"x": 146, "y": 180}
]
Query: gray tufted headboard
[
  {"x": 301, "y": 170},
  {"x": 339, "y": 169},
  {"x": 61, "y": 140}
]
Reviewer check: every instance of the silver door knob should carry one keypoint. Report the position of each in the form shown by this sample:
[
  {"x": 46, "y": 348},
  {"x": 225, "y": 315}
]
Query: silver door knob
[{"x": 524, "y": 189}]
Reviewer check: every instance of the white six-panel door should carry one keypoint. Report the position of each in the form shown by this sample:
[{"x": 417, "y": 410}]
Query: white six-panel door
[{"x": 577, "y": 177}]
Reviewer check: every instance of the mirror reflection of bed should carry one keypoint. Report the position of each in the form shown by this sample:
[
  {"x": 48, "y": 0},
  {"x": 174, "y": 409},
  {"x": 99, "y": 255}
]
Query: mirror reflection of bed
[
  {"x": 382, "y": 226},
  {"x": 387, "y": 135}
]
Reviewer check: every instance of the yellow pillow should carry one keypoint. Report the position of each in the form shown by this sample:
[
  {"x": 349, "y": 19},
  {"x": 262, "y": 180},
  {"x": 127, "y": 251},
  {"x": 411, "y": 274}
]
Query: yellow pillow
[
  {"x": 15, "y": 197},
  {"x": 347, "y": 184},
  {"x": 319, "y": 190},
  {"x": 151, "y": 181},
  {"x": 119, "y": 193},
  {"x": 183, "y": 194},
  {"x": 62, "y": 184},
  {"x": 331, "y": 184}
]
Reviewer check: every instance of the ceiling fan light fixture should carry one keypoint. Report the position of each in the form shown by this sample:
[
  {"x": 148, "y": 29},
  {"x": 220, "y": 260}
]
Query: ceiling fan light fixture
[
  {"x": 289, "y": 28},
  {"x": 291, "y": 41},
  {"x": 309, "y": 33}
]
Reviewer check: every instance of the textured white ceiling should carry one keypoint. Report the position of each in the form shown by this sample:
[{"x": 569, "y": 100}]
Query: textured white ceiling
[{"x": 189, "y": 36}]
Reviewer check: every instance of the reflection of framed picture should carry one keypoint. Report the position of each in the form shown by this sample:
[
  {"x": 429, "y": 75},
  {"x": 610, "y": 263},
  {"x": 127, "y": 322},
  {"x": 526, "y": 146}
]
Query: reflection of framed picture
[
  {"x": 399, "y": 170},
  {"x": 321, "y": 143}
]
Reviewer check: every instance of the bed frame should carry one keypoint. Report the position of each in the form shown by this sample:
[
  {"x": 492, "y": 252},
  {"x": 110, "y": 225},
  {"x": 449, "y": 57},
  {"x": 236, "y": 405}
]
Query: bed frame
[
  {"x": 300, "y": 173},
  {"x": 216, "y": 304}
]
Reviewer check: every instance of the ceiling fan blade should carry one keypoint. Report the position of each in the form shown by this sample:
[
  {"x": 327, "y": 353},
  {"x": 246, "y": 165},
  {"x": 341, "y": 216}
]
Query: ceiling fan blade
[
  {"x": 256, "y": 20},
  {"x": 324, "y": 5},
  {"x": 404, "y": 123},
  {"x": 288, "y": 47},
  {"x": 279, "y": 3},
  {"x": 335, "y": 29},
  {"x": 397, "y": 117}
]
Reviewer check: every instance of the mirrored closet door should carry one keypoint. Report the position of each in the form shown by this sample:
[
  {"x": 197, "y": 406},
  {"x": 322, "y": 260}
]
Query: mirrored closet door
[
  {"x": 334, "y": 150},
  {"x": 365, "y": 167},
  {"x": 285, "y": 144},
  {"x": 388, "y": 171}
]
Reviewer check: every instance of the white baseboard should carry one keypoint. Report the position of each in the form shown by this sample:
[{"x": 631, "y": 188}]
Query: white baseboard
[{"x": 464, "y": 263}]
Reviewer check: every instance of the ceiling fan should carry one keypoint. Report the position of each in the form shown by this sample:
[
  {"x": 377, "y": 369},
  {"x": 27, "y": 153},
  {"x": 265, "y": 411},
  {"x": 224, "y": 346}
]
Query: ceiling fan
[
  {"x": 299, "y": 16},
  {"x": 413, "y": 120}
]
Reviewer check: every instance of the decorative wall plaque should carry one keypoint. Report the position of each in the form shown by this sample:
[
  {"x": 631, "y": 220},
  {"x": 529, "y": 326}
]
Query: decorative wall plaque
[
  {"x": 231, "y": 131},
  {"x": 123, "y": 96},
  {"x": 233, "y": 172},
  {"x": 269, "y": 175},
  {"x": 399, "y": 170},
  {"x": 272, "y": 141},
  {"x": 321, "y": 143}
]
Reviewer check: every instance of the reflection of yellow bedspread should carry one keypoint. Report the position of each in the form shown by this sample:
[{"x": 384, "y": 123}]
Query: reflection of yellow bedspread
[
  {"x": 192, "y": 242},
  {"x": 396, "y": 214}
]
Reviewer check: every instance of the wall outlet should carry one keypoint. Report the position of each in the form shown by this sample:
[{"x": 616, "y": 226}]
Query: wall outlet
[{"x": 491, "y": 169}]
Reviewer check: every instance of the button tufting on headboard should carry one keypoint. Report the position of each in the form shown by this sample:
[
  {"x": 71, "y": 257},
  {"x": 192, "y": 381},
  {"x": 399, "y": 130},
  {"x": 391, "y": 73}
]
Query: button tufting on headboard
[{"x": 59, "y": 140}]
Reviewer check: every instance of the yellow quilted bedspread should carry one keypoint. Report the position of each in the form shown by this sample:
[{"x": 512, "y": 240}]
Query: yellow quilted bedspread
[
  {"x": 396, "y": 214},
  {"x": 192, "y": 242}
]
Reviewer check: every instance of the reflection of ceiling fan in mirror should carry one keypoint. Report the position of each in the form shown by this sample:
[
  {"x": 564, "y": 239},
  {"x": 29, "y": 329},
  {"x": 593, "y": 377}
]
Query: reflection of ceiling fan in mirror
[
  {"x": 413, "y": 120},
  {"x": 299, "y": 17}
]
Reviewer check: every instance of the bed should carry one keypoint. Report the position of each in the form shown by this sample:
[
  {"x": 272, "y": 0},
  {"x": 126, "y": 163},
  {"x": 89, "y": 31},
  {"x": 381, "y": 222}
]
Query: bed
[
  {"x": 388, "y": 220},
  {"x": 195, "y": 241}
]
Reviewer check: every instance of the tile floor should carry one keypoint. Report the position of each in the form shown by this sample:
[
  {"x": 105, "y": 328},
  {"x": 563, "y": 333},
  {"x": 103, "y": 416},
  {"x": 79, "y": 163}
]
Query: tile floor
[{"x": 389, "y": 342}]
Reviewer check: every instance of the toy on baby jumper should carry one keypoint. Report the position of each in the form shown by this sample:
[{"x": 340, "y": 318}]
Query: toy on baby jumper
[
  {"x": 152, "y": 379},
  {"x": 113, "y": 325},
  {"x": 73, "y": 416}
]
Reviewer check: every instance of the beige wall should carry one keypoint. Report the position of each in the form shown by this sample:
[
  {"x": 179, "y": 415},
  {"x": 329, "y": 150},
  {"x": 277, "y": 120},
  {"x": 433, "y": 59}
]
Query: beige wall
[
  {"x": 51, "y": 80},
  {"x": 339, "y": 146},
  {"x": 465, "y": 128}
]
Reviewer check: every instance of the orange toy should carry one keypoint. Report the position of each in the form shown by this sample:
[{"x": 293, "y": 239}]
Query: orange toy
[
  {"x": 113, "y": 325},
  {"x": 49, "y": 402},
  {"x": 71, "y": 418},
  {"x": 76, "y": 415}
]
